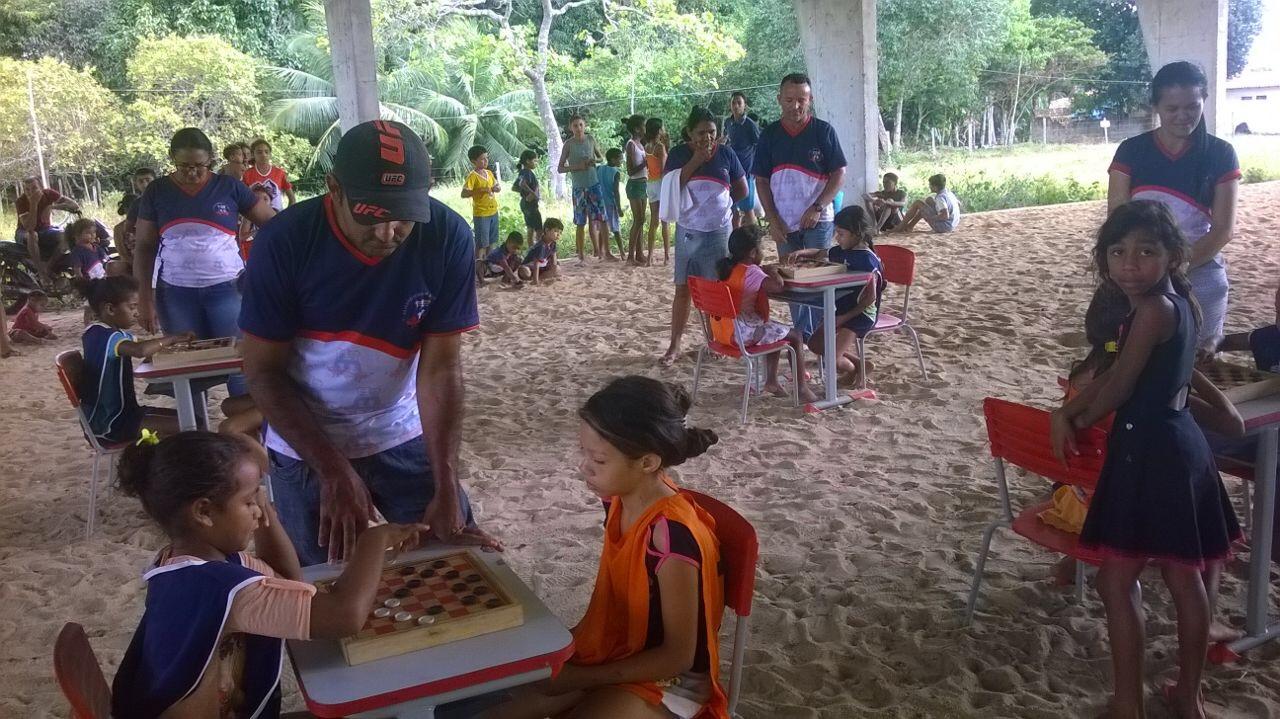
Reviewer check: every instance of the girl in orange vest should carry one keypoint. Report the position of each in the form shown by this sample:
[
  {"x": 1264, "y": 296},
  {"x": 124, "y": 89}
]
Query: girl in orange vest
[
  {"x": 751, "y": 284},
  {"x": 647, "y": 647}
]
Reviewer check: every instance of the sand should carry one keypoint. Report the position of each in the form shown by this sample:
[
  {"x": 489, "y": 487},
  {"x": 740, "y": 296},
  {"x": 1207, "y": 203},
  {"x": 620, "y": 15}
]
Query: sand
[{"x": 869, "y": 517}]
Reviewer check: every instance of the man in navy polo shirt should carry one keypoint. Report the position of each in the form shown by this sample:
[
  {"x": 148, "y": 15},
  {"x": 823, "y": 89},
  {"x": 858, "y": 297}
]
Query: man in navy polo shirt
[
  {"x": 799, "y": 168},
  {"x": 354, "y": 306}
]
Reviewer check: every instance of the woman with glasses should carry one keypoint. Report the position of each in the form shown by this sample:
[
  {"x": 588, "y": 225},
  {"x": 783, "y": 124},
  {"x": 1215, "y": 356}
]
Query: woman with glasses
[{"x": 186, "y": 258}]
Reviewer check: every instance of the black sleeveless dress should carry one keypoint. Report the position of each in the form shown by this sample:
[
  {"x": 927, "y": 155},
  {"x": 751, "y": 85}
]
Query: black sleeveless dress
[{"x": 1159, "y": 496}]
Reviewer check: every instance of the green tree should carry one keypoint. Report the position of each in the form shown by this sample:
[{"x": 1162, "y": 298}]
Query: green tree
[
  {"x": 1037, "y": 58},
  {"x": 768, "y": 31},
  {"x": 1244, "y": 22},
  {"x": 77, "y": 118},
  {"x": 1119, "y": 85}
]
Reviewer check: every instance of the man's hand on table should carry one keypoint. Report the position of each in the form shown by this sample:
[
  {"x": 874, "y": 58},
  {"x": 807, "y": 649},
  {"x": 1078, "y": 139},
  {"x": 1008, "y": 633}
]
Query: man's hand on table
[{"x": 345, "y": 509}]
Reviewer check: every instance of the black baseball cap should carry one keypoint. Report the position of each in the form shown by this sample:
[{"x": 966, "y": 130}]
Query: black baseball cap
[{"x": 385, "y": 171}]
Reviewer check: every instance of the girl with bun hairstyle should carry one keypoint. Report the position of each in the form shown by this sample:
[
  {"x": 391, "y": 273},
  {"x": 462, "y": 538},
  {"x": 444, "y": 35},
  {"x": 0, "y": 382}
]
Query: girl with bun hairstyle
[
  {"x": 647, "y": 647},
  {"x": 211, "y": 640}
]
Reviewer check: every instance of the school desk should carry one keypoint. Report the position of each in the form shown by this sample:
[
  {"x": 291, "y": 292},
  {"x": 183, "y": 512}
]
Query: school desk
[
  {"x": 823, "y": 292},
  {"x": 413, "y": 685},
  {"x": 1262, "y": 420},
  {"x": 181, "y": 376}
]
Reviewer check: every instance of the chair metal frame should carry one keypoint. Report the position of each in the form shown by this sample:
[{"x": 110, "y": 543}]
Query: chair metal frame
[
  {"x": 740, "y": 557},
  {"x": 713, "y": 299},
  {"x": 899, "y": 269},
  {"x": 1019, "y": 435},
  {"x": 69, "y": 376}
]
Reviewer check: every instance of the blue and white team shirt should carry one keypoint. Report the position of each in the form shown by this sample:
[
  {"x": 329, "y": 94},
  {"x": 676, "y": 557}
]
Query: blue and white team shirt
[
  {"x": 197, "y": 231},
  {"x": 708, "y": 189},
  {"x": 797, "y": 167},
  {"x": 356, "y": 323},
  {"x": 1184, "y": 181},
  {"x": 107, "y": 394}
]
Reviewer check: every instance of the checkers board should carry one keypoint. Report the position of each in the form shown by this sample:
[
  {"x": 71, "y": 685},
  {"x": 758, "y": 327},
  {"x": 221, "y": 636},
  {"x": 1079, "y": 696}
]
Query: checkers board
[
  {"x": 182, "y": 354},
  {"x": 428, "y": 602},
  {"x": 1240, "y": 383},
  {"x": 807, "y": 269}
]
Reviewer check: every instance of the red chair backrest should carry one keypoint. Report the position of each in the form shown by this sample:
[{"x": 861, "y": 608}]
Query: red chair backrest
[
  {"x": 899, "y": 264},
  {"x": 79, "y": 674},
  {"x": 1020, "y": 436},
  {"x": 70, "y": 366},
  {"x": 712, "y": 298},
  {"x": 739, "y": 551}
]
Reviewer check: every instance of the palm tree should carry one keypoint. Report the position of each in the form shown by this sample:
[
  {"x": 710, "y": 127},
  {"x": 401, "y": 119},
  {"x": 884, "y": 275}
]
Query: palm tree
[{"x": 452, "y": 107}]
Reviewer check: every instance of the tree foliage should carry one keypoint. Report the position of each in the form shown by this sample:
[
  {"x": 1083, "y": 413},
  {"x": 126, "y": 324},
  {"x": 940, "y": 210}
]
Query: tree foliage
[{"x": 1244, "y": 22}]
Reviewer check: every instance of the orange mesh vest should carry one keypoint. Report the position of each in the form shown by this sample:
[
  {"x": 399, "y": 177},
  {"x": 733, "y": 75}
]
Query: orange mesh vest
[
  {"x": 616, "y": 624},
  {"x": 722, "y": 327}
]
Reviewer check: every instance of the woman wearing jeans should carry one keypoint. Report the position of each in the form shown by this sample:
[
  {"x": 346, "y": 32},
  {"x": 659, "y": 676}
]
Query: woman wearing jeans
[
  {"x": 186, "y": 259},
  {"x": 711, "y": 180}
]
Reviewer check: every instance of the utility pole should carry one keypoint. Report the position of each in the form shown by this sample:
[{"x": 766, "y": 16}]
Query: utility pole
[{"x": 35, "y": 129}]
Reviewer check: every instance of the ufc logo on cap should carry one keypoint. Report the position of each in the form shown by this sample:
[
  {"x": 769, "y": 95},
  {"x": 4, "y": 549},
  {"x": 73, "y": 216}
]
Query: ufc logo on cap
[
  {"x": 393, "y": 178},
  {"x": 392, "y": 145},
  {"x": 363, "y": 208}
]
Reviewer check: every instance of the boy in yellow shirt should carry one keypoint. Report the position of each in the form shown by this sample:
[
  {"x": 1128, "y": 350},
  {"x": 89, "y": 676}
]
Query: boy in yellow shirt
[{"x": 481, "y": 186}]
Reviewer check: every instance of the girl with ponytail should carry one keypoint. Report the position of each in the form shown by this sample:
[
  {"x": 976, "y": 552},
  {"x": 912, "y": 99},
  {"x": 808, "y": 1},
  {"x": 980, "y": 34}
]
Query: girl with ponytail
[
  {"x": 1159, "y": 497},
  {"x": 1194, "y": 174},
  {"x": 647, "y": 645}
]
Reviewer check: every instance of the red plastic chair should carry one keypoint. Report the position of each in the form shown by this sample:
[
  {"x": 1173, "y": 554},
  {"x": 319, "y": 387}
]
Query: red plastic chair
[
  {"x": 1019, "y": 435},
  {"x": 714, "y": 300},
  {"x": 899, "y": 269},
  {"x": 70, "y": 366},
  {"x": 739, "y": 553},
  {"x": 79, "y": 674}
]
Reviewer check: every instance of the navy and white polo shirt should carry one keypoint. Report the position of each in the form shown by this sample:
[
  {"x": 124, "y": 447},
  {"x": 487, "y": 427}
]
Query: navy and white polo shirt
[
  {"x": 356, "y": 323},
  {"x": 797, "y": 167},
  {"x": 1184, "y": 181},
  {"x": 197, "y": 231},
  {"x": 708, "y": 188}
]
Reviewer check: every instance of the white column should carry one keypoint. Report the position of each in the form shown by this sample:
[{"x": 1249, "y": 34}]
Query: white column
[
  {"x": 839, "y": 38},
  {"x": 355, "y": 74},
  {"x": 1194, "y": 30}
]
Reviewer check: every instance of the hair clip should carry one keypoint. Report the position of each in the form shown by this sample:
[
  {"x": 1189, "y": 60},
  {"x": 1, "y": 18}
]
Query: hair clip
[
  {"x": 1111, "y": 347},
  {"x": 148, "y": 438}
]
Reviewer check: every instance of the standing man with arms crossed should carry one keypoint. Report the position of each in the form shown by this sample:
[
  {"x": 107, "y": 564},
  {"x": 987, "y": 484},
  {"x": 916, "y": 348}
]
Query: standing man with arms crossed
[
  {"x": 353, "y": 313},
  {"x": 799, "y": 168},
  {"x": 741, "y": 134}
]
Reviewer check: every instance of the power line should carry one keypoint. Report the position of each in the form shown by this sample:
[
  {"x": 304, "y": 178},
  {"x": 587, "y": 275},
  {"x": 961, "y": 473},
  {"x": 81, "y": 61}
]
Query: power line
[{"x": 1063, "y": 77}]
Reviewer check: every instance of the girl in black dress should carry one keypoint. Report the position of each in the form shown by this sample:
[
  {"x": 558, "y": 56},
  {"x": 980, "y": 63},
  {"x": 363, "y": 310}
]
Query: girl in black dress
[{"x": 1159, "y": 498}]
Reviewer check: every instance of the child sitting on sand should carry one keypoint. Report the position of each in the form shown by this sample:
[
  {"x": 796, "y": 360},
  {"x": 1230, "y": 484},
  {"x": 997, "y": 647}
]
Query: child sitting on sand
[
  {"x": 26, "y": 327},
  {"x": 750, "y": 285},
  {"x": 540, "y": 263},
  {"x": 502, "y": 261},
  {"x": 941, "y": 210},
  {"x": 210, "y": 642},
  {"x": 107, "y": 394},
  {"x": 886, "y": 205},
  {"x": 648, "y": 644},
  {"x": 856, "y": 313}
]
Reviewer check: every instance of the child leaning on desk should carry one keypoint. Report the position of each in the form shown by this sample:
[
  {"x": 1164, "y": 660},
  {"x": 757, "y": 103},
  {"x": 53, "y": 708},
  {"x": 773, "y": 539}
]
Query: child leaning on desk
[
  {"x": 211, "y": 639},
  {"x": 647, "y": 647},
  {"x": 855, "y": 313}
]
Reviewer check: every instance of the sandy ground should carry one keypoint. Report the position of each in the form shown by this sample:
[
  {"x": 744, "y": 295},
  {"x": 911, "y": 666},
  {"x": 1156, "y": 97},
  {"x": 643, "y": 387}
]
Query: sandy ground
[{"x": 869, "y": 517}]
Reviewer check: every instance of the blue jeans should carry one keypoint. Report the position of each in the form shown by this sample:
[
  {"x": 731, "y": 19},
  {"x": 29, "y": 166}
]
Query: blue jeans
[
  {"x": 399, "y": 481},
  {"x": 698, "y": 252},
  {"x": 208, "y": 312},
  {"x": 805, "y": 318},
  {"x": 486, "y": 229}
]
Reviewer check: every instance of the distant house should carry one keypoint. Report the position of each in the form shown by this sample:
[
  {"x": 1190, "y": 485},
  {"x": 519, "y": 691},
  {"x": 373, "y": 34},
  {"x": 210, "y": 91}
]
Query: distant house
[{"x": 1253, "y": 102}]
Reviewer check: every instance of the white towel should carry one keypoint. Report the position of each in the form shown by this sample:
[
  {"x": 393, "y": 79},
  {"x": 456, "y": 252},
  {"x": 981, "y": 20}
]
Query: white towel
[{"x": 672, "y": 198}]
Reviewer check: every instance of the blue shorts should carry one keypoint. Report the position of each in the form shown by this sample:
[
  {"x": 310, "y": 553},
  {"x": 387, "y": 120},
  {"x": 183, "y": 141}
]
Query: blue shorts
[
  {"x": 399, "y": 481},
  {"x": 588, "y": 204},
  {"x": 860, "y": 325},
  {"x": 486, "y": 231},
  {"x": 1265, "y": 344},
  {"x": 748, "y": 203},
  {"x": 612, "y": 218},
  {"x": 698, "y": 252}
]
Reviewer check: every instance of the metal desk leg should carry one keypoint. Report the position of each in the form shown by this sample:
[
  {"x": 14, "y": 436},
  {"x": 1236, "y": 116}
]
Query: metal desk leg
[
  {"x": 186, "y": 405},
  {"x": 1256, "y": 630},
  {"x": 829, "y": 358}
]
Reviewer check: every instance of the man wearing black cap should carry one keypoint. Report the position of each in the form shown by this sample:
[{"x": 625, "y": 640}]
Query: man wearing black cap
[{"x": 354, "y": 305}]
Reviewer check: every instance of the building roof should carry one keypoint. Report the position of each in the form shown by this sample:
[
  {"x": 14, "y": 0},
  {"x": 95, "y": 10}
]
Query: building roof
[{"x": 1255, "y": 79}]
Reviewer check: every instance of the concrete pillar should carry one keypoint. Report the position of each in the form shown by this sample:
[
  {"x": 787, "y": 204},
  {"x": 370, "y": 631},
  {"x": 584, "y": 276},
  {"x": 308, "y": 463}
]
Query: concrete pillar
[
  {"x": 839, "y": 38},
  {"x": 1194, "y": 30},
  {"x": 355, "y": 75}
]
